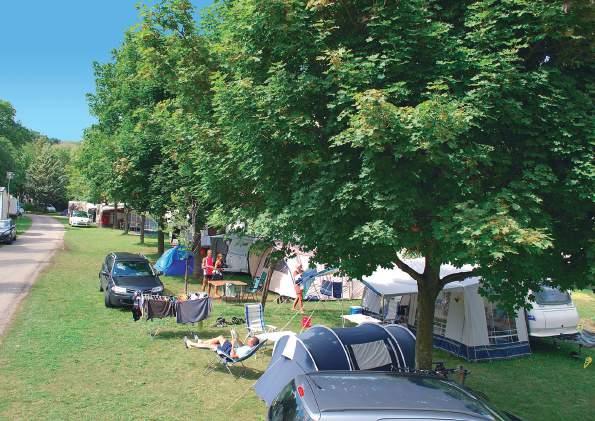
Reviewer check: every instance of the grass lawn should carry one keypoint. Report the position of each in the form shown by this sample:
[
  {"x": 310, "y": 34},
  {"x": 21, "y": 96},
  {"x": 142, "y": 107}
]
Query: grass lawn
[
  {"x": 23, "y": 224},
  {"x": 585, "y": 302},
  {"x": 67, "y": 356}
]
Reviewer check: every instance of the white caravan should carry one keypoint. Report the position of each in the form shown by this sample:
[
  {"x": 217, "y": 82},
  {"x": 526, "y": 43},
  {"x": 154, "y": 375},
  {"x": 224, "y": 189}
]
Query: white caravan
[{"x": 553, "y": 314}]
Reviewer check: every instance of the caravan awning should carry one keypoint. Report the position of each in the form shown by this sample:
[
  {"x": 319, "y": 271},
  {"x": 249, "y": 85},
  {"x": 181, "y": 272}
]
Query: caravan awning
[{"x": 391, "y": 282}]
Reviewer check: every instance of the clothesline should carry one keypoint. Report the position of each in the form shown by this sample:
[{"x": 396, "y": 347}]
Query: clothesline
[{"x": 192, "y": 308}]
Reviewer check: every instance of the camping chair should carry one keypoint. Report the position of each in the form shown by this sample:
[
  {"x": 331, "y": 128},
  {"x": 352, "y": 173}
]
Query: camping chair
[
  {"x": 257, "y": 285},
  {"x": 255, "y": 320},
  {"x": 227, "y": 361}
]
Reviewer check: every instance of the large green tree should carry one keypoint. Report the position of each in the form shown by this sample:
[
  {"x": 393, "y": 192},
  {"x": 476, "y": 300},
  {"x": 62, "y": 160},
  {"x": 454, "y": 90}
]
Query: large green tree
[
  {"x": 46, "y": 175},
  {"x": 152, "y": 99},
  {"x": 457, "y": 131}
]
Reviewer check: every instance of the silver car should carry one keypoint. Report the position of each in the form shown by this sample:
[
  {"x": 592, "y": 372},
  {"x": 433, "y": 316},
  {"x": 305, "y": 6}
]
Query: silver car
[{"x": 378, "y": 396}]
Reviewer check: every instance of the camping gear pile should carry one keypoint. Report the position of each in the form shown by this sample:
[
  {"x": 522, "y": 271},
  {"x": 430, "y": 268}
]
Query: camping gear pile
[{"x": 319, "y": 283}]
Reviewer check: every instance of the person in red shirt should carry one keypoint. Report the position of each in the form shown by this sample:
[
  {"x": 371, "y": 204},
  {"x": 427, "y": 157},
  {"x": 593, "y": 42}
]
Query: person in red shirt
[{"x": 207, "y": 269}]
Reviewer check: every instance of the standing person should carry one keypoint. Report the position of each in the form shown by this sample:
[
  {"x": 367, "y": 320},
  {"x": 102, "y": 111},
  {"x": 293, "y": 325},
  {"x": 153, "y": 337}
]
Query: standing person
[
  {"x": 207, "y": 269},
  {"x": 218, "y": 268},
  {"x": 297, "y": 285}
]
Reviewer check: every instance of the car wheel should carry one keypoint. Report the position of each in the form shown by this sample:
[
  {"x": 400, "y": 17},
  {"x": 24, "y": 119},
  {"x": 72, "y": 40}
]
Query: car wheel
[{"x": 107, "y": 301}]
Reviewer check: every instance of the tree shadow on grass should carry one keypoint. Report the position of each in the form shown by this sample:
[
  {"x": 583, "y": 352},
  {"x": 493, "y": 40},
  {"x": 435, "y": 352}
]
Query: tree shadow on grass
[{"x": 247, "y": 373}]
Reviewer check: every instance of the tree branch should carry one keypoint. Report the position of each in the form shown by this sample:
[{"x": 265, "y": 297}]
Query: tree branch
[
  {"x": 459, "y": 276},
  {"x": 407, "y": 269}
]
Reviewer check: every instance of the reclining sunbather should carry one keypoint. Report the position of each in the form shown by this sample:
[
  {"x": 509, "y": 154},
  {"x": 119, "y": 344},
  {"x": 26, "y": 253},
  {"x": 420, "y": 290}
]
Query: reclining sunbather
[{"x": 234, "y": 347}]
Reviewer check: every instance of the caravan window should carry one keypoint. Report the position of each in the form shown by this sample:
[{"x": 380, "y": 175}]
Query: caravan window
[
  {"x": 501, "y": 328},
  {"x": 441, "y": 313},
  {"x": 547, "y": 296}
]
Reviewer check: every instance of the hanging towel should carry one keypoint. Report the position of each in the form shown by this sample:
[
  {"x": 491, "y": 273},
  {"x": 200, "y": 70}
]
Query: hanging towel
[
  {"x": 160, "y": 309},
  {"x": 193, "y": 311}
]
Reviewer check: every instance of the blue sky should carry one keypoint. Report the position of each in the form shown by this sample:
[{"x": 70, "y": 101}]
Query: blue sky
[{"x": 47, "y": 48}]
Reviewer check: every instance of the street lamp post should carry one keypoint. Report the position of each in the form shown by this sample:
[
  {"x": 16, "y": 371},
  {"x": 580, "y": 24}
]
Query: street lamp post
[{"x": 9, "y": 176}]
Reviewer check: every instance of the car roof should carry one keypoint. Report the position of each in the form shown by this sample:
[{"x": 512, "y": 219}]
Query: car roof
[
  {"x": 124, "y": 255},
  {"x": 383, "y": 391}
]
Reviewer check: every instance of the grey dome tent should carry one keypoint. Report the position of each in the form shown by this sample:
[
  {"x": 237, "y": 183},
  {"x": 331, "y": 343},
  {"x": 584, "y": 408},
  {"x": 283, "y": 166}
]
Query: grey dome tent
[{"x": 368, "y": 346}]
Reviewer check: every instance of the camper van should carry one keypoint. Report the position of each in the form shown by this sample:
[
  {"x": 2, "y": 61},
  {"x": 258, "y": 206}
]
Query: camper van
[{"x": 553, "y": 314}]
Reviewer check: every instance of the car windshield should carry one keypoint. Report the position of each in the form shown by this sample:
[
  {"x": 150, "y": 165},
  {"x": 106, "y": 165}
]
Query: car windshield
[
  {"x": 132, "y": 269},
  {"x": 552, "y": 296},
  {"x": 5, "y": 223},
  {"x": 80, "y": 214}
]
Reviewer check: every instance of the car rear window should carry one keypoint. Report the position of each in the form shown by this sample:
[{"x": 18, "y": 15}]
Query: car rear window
[
  {"x": 552, "y": 296},
  {"x": 287, "y": 406}
]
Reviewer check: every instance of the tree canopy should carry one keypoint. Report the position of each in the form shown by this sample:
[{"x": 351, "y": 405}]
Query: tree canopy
[{"x": 369, "y": 131}]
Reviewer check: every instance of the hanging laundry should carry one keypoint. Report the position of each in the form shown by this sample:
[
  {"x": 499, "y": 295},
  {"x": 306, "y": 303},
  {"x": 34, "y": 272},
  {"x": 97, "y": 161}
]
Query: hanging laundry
[
  {"x": 192, "y": 311},
  {"x": 137, "y": 306},
  {"x": 160, "y": 308}
]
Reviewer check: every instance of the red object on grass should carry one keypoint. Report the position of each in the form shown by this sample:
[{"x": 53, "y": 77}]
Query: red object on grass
[{"x": 306, "y": 322}]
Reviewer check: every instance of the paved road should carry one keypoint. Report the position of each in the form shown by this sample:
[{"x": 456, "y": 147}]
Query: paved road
[{"x": 22, "y": 261}]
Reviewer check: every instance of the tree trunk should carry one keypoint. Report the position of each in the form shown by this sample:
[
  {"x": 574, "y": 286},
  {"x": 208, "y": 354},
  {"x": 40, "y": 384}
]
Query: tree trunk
[
  {"x": 115, "y": 220},
  {"x": 426, "y": 302},
  {"x": 186, "y": 275},
  {"x": 126, "y": 219},
  {"x": 160, "y": 238},
  {"x": 197, "y": 267},
  {"x": 265, "y": 288},
  {"x": 142, "y": 227}
]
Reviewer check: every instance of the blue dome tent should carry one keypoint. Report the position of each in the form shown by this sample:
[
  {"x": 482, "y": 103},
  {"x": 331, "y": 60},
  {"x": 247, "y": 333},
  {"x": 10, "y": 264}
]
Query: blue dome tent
[
  {"x": 368, "y": 346},
  {"x": 173, "y": 261}
]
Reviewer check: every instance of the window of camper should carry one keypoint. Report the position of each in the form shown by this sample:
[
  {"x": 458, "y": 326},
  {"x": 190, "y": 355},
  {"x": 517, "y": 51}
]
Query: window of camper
[
  {"x": 441, "y": 313},
  {"x": 501, "y": 328}
]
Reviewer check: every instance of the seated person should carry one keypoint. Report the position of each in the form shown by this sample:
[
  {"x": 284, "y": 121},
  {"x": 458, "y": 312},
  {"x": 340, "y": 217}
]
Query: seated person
[{"x": 234, "y": 347}]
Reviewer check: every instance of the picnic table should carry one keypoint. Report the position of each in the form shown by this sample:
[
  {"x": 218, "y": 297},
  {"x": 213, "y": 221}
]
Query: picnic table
[
  {"x": 359, "y": 318},
  {"x": 221, "y": 284}
]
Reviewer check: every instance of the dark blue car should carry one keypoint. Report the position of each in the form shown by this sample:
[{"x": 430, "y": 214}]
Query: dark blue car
[
  {"x": 122, "y": 274},
  {"x": 8, "y": 231}
]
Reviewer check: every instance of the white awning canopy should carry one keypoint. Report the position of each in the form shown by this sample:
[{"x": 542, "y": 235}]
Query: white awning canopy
[{"x": 391, "y": 282}]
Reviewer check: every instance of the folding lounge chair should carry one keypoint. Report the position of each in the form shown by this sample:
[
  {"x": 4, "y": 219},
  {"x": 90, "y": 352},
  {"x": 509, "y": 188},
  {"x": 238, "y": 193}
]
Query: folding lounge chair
[
  {"x": 255, "y": 320},
  {"x": 257, "y": 285},
  {"x": 227, "y": 361}
]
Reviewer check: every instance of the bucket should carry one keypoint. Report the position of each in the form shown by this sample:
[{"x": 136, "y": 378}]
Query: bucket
[
  {"x": 306, "y": 322},
  {"x": 355, "y": 310},
  {"x": 230, "y": 290}
]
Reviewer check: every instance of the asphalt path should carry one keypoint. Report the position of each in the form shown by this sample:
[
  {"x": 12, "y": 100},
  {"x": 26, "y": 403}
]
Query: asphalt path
[{"x": 22, "y": 261}]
